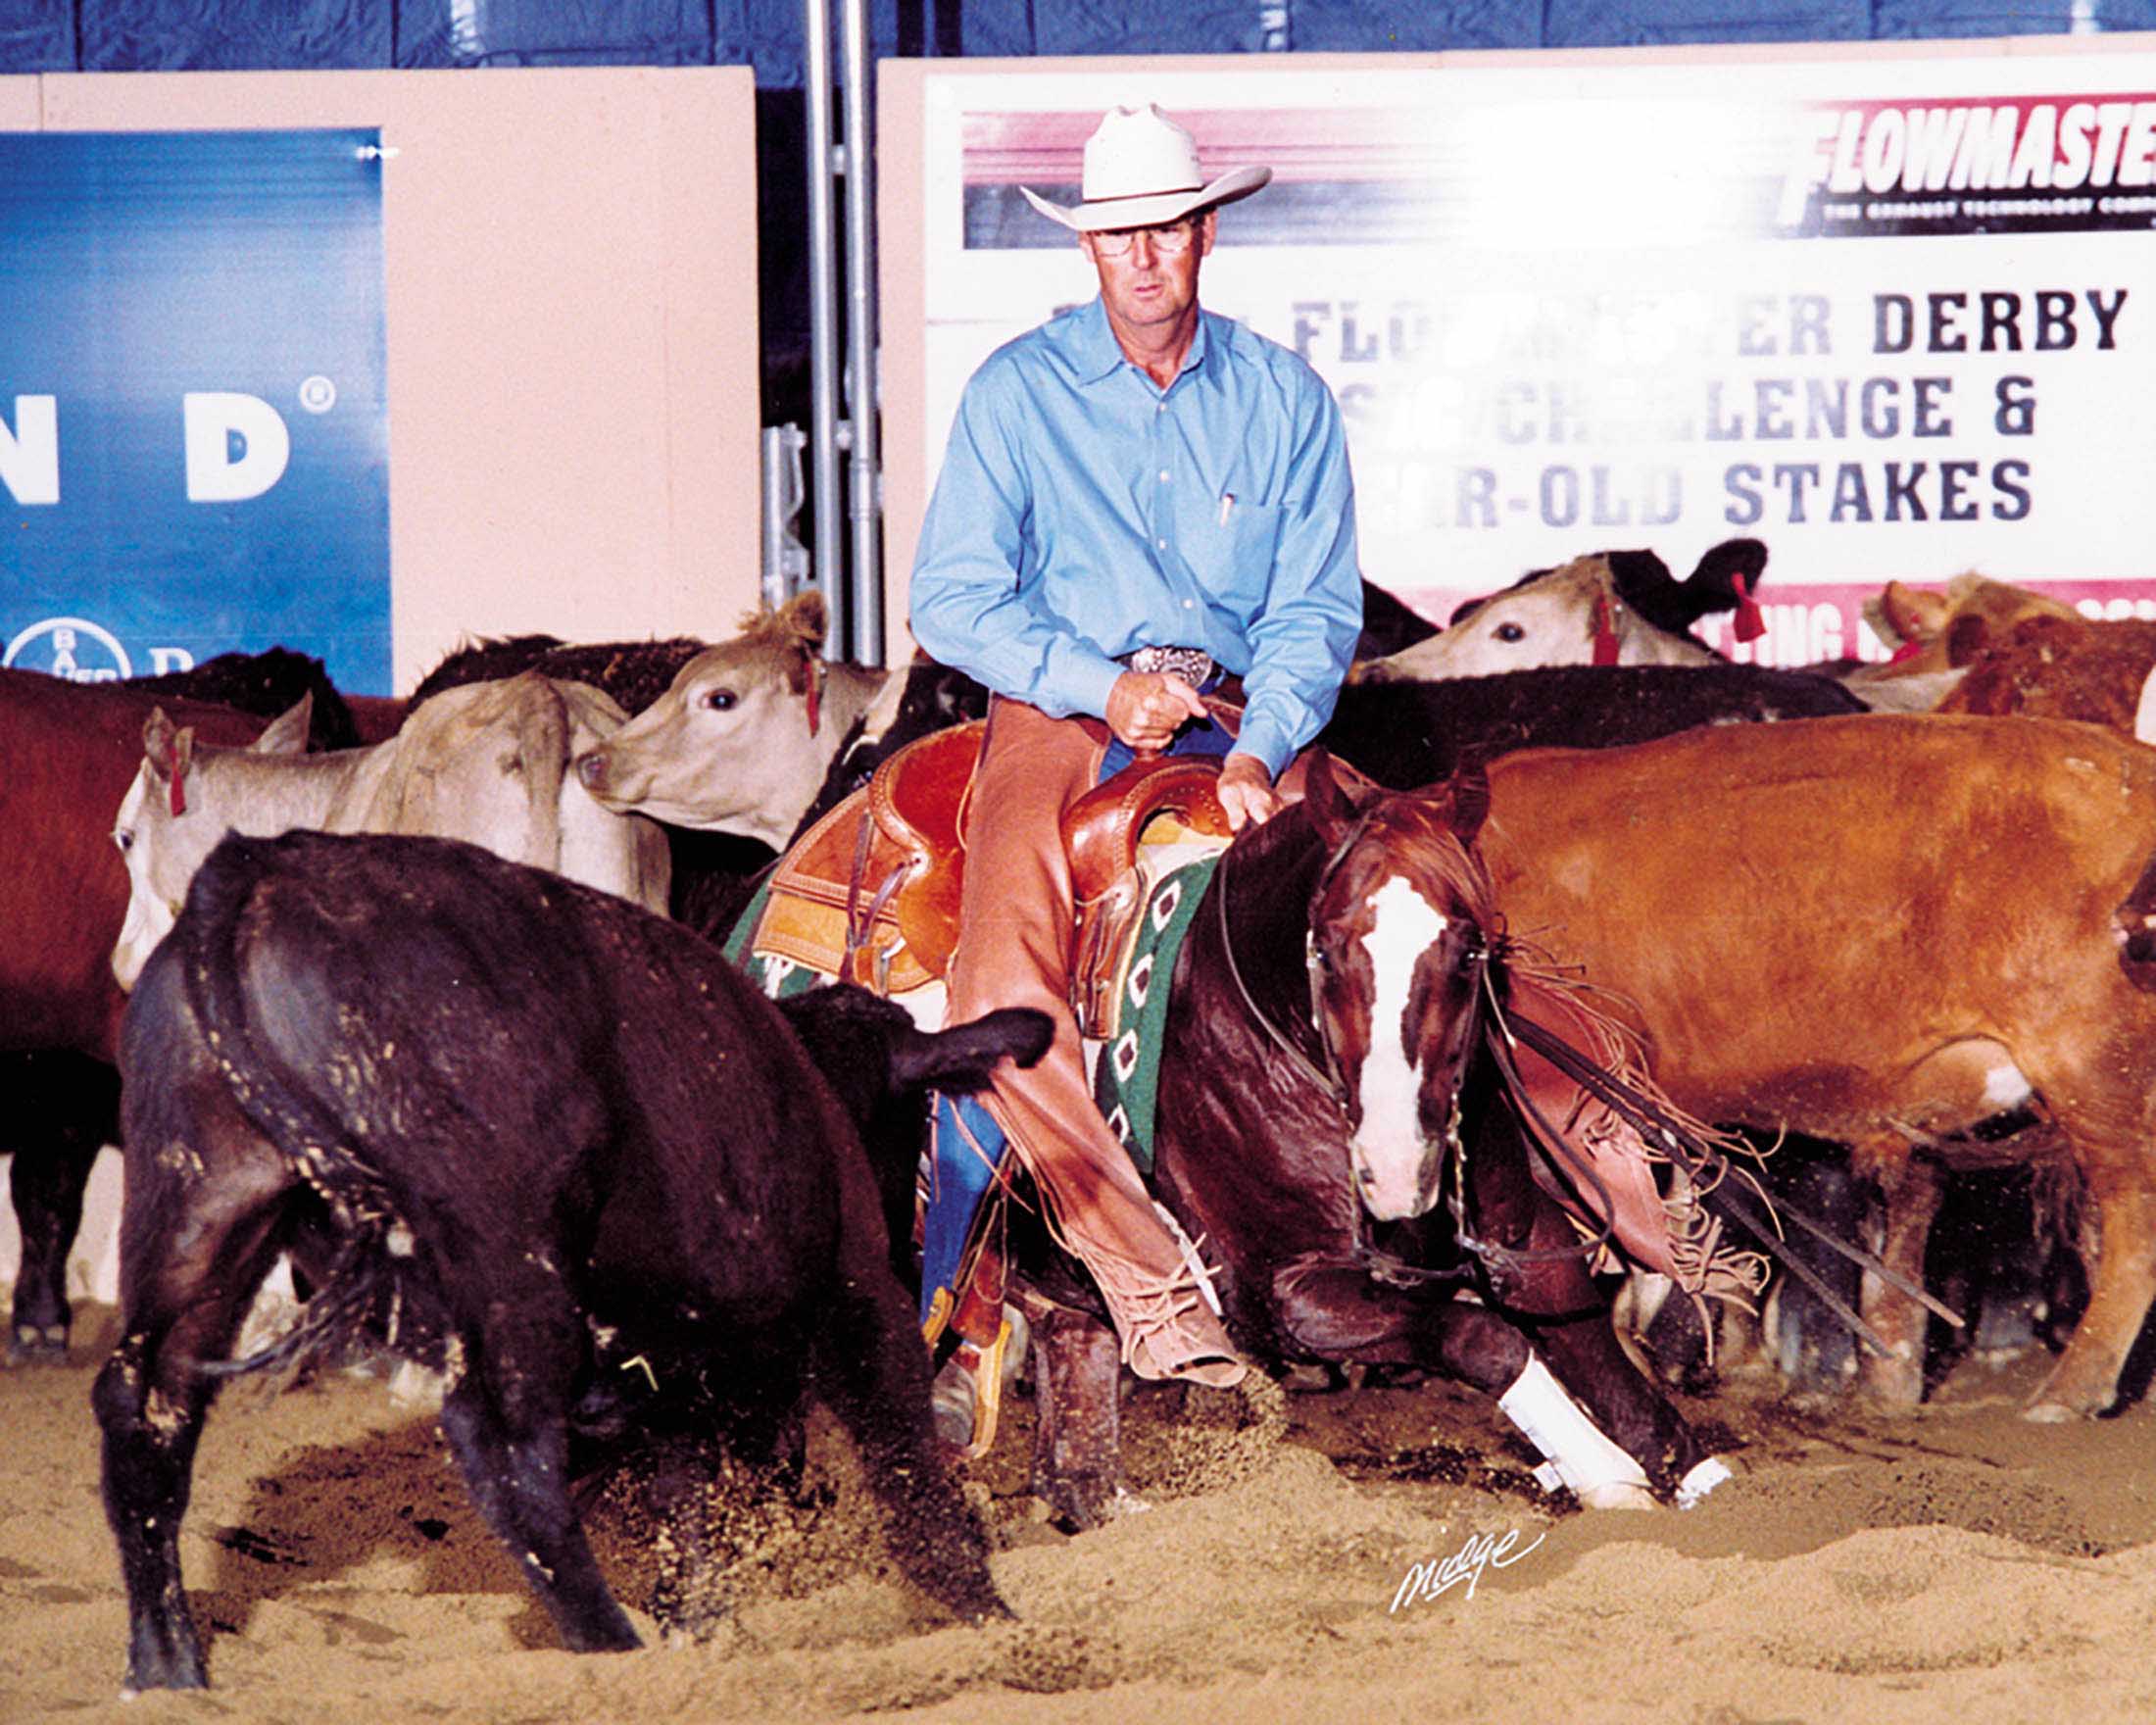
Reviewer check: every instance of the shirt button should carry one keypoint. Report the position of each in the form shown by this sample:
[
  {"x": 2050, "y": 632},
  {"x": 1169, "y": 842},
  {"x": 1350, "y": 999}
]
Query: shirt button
[
  {"x": 1190, "y": 605},
  {"x": 1163, "y": 476},
  {"x": 1161, "y": 543}
]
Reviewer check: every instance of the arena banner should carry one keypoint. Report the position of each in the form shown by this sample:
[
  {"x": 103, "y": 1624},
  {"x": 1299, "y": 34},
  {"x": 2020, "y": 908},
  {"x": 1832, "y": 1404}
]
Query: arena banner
[
  {"x": 193, "y": 418},
  {"x": 1892, "y": 314}
]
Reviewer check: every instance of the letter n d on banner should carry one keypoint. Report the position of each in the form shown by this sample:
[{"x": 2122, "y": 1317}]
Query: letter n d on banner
[{"x": 214, "y": 473}]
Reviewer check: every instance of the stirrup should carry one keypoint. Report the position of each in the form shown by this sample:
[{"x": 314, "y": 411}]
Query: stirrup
[{"x": 968, "y": 1396}]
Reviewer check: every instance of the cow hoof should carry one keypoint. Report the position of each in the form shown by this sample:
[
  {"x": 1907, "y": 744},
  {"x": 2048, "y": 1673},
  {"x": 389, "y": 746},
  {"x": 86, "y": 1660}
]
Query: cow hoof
[
  {"x": 35, "y": 1346},
  {"x": 1705, "y": 1476},
  {"x": 2051, "y": 1412}
]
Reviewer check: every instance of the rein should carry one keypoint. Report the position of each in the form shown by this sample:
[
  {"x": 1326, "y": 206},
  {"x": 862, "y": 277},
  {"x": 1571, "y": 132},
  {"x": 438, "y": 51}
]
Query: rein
[
  {"x": 1386, "y": 1266},
  {"x": 1325, "y": 1078}
]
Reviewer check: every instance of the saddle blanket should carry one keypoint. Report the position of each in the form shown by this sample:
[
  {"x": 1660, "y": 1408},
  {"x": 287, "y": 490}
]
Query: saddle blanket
[{"x": 969, "y": 1154}]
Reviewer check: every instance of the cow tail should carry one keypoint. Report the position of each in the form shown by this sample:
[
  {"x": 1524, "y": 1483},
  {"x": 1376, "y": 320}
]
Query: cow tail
[
  {"x": 2134, "y": 927},
  {"x": 363, "y": 1285}
]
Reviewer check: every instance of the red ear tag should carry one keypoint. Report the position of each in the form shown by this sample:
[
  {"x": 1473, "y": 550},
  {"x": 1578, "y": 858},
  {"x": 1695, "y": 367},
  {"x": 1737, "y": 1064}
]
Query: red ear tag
[
  {"x": 1908, "y": 650},
  {"x": 179, "y": 793},
  {"x": 1750, "y": 625},
  {"x": 1605, "y": 631},
  {"x": 815, "y": 695}
]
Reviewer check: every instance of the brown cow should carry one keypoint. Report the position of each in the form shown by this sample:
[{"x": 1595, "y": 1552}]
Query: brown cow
[
  {"x": 2063, "y": 668},
  {"x": 71, "y": 750},
  {"x": 1885, "y": 931},
  {"x": 1943, "y": 628}
]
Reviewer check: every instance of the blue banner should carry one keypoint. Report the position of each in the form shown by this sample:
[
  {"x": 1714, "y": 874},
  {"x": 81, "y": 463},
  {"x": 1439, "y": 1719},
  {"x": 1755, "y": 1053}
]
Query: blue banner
[{"x": 194, "y": 435}]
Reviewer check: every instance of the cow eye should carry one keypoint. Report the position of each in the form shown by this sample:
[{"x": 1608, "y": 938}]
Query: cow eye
[
  {"x": 1509, "y": 631},
  {"x": 124, "y": 837},
  {"x": 719, "y": 699}
]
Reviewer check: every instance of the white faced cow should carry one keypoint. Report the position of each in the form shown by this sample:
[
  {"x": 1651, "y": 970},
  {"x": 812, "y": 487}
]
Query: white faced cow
[
  {"x": 486, "y": 762},
  {"x": 745, "y": 738},
  {"x": 1610, "y": 608}
]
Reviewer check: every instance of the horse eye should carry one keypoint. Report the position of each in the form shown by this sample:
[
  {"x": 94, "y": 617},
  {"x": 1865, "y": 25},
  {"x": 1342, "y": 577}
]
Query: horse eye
[
  {"x": 1509, "y": 631},
  {"x": 720, "y": 700}
]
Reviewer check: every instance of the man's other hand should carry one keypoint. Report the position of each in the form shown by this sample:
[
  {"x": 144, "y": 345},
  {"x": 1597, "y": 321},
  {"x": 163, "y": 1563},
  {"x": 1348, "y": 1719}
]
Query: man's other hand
[{"x": 1245, "y": 792}]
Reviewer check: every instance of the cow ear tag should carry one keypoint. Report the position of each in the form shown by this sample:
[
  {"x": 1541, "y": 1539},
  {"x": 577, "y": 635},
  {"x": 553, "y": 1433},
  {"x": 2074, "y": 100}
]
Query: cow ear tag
[
  {"x": 176, "y": 769},
  {"x": 1750, "y": 625},
  {"x": 1606, "y": 630}
]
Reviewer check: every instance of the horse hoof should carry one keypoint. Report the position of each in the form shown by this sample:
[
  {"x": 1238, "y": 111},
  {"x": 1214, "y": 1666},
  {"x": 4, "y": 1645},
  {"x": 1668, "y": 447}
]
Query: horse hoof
[
  {"x": 1704, "y": 1477},
  {"x": 1618, "y": 1495}
]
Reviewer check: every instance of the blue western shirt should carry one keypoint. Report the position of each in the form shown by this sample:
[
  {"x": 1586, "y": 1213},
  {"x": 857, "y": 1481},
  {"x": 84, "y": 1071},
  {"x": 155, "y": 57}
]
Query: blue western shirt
[{"x": 1083, "y": 512}]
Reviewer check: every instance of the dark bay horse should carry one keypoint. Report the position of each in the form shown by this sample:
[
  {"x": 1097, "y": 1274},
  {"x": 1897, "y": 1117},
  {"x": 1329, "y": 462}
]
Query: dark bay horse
[{"x": 1324, "y": 1045}]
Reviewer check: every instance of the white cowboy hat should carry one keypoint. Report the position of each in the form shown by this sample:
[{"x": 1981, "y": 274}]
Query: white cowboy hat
[{"x": 1142, "y": 169}]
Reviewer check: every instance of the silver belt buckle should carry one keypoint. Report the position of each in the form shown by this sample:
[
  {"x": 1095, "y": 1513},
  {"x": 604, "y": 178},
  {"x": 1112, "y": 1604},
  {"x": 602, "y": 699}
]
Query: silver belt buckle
[{"x": 1190, "y": 664}]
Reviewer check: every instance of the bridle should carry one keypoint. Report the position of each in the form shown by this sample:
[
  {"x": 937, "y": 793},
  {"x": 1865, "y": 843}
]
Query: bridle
[{"x": 1323, "y": 1074}]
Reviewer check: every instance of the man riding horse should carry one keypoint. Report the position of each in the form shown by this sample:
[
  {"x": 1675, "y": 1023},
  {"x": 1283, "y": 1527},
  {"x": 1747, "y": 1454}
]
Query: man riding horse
[{"x": 1139, "y": 500}]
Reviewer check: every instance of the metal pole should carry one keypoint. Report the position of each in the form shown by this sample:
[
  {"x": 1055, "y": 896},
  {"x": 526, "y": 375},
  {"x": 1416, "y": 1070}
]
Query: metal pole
[
  {"x": 828, "y": 559},
  {"x": 865, "y": 472}
]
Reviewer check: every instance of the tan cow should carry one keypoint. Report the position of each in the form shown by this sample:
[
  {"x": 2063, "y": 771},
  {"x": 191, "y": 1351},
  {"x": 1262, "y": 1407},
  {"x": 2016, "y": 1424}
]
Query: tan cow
[
  {"x": 1882, "y": 930},
  {"x": 743, "y": 740},
  {"x": 486, "y": 762}
]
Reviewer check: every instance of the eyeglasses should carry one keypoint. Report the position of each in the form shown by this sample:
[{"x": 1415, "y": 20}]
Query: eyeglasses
[{"x": 1168, "y": 237}]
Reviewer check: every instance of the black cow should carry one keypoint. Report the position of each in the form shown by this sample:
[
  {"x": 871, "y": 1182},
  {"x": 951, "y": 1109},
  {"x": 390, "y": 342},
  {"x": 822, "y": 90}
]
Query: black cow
[
  {"x": 1406, "y": 734},
  {"x": 529, "y": 1135}
]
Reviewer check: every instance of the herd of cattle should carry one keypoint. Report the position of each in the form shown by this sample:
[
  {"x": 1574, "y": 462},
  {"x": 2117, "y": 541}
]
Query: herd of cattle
[{"x": 505, "y": 1123}]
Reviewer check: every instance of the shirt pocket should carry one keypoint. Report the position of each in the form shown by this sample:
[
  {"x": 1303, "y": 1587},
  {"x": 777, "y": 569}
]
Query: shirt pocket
[{"x": 1230, "y": 546}]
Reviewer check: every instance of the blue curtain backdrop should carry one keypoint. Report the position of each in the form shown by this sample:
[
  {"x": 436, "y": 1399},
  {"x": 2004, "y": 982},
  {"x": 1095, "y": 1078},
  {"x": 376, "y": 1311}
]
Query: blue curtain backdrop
[{"x": 177, "y": 36}]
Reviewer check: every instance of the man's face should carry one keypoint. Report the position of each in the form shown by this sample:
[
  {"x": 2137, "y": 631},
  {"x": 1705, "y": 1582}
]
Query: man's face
[{"x": 1143, "y": 284}]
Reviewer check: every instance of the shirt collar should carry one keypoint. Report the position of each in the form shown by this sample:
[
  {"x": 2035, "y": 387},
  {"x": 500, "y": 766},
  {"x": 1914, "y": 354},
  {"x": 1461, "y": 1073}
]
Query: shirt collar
[{"x": 1098, "y": 353}]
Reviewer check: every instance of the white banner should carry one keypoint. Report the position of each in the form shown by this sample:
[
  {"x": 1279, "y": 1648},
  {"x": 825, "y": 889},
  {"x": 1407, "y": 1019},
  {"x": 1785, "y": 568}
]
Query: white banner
[{"x": 1893, "y": 316}]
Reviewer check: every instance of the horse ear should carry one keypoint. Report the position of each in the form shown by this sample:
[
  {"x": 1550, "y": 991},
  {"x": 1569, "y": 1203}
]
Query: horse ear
[
  {"x": 1330, "y": 802},
  {"x": 1467, "y": 792},
  {"x": 1334, "y": 794}
]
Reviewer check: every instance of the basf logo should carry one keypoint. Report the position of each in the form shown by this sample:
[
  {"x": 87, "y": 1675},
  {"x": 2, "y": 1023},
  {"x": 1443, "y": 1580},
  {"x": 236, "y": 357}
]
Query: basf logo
[{"x": 193, "y": 422}]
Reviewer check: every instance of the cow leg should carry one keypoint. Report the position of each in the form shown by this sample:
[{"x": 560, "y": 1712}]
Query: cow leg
[
  {"x": 46, "y": 1183},
  {"x": 873, "y": 1373},
  {"x": 1077, "y": 1433},
  {"x": 506, "y": 1422},
  {"x": 1911, "y": 1199},
  {"x": 2122, "y": 1288},
  {"x": 65, "y": 1113},
  {"x": 194, "y": 1249}
]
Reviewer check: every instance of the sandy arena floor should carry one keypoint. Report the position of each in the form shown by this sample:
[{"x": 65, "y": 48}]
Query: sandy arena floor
[{"x": 1960, "y": 1565}]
